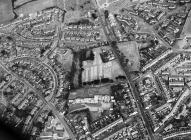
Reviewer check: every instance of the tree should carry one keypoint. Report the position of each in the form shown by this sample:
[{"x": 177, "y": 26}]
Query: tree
[{"x": 106, "y": 13}]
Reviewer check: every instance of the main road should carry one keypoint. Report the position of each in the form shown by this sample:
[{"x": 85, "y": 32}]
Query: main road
[{"x": 128, "y": 76}]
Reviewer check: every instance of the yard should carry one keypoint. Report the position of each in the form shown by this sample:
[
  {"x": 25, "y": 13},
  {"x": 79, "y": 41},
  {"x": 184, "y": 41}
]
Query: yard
[
  {"x": 114, "y": 7},
  {"x": 72, "y": 16},
  {"x": 6, "y": 11},
  {"x": 65, "y": 56},
  {"x": 187, "y": 28},
  {"x": 131, "y": 52},
  {"x": 90, "y": 91},
  {"x": 70, "y": 5}
]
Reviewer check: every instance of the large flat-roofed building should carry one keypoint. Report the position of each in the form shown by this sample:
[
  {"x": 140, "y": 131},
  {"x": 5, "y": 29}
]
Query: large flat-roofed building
[{"x": 6, "y": 11}]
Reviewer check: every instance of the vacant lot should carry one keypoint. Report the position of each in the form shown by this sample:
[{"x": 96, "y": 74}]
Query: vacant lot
[
  {"x": 101, "y": 2},
  {"x": 20, "y": 2},
  {"x": 65, "y": 56},
  {"x": 6, "y": 12},
  {"x": 35, "y": 6},
  {"x": 90, "y": 92},
  {"x": 187, "y": 28},
  {"x": 130, "y": 50},
  {"x": 116, "y": 5},
  {"x": 85, "y": 5},
  {"x": 70, "y": 5},
  {"x": 72, "y": 16}
]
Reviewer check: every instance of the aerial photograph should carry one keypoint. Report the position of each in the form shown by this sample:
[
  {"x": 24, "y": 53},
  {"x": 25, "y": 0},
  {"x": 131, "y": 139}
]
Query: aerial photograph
[{"x": 95, "y": 69}]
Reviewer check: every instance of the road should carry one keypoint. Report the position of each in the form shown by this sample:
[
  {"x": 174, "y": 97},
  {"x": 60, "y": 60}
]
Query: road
[
  {"x": 164, "y": 42},
  {"x": 54, "y": 75},
  {"x": 182, "y": 98},
  {"x": 51, "y": 107},
  {"x": 128, "y": 77},
  {"x": 177, "y": 134}
]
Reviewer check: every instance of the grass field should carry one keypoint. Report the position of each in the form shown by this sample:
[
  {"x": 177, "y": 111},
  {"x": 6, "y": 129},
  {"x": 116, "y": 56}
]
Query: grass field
[
  {"x": 35, "y": 6},
  {"x": 90, "y": 92},
  {"x": 101, "y": 2},
  {"x": 187, "y": 28},
  {"x": 72, "y": 16},
  {"x": 70, "y": 5},
  {"x": 85, "y": 5},
  {"x": 65, "y": 56},
  {"x": 6, "y": 12},
  {"x": 130, "y": 50},
  {"x": 20, "y": 2},
  {"x": 116, "y": 5}
]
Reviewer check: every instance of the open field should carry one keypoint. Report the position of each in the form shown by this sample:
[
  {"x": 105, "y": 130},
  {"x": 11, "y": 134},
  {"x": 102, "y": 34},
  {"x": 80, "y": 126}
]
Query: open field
[
  {"x": 105, "y": 3},
  {"x": 6, "y": 12},
  {"x": 115, "y": 6},
  {"x": 77, "y": 70},
  {"x": 70, "y": 5},
  {"x": 20, "y": 2},
  {"x": 187, "y": 28},
  {"x": 35, "y": 6},
  {"x": 85, "y": 5},
  {"x": 74, "y": 107},
  {"x": 101, "y": 2},
  {"x": 72, "y": 16},
  {"x": 130, "y": 50},
  {"x": 90, "y": 92},
  {"x": 96, "y": 69},
  {"x": 65, "y": 56},
  {"x": 77, "y": 9}
]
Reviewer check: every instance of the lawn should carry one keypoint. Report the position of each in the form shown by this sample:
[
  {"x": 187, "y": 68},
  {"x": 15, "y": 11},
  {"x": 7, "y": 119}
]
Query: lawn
[
  {"x": 35, "y": 6},
  {"x": 20, "y": 2},
  {"x": 130, "y": 50},
  {"x": 187, "y": 28},
  {"x": 70, "y": 5},
  {"x": 85, "y": 5},
  {"x": 72, "y": 16},
  {"x": 65, "y": 56},
  {"x": 6, "y": 12},
  {"x": 114, "y": 7},
  {"x": 90, "y": 92},
  {"x": 101, "y": 2}
]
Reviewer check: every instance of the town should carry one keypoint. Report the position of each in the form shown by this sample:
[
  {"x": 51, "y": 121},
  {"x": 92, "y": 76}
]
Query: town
[{"x": 95, "y": 69}]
